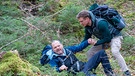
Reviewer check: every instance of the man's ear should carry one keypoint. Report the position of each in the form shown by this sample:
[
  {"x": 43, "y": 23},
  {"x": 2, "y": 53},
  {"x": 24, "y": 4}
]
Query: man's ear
[{"x": 87, "y": 18}]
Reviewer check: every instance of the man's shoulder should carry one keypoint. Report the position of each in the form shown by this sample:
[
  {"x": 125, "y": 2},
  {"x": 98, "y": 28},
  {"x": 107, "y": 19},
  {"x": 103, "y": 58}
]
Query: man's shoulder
[
  {"x": 49, "y": 52},
  {"x": 101, "y": 22}
]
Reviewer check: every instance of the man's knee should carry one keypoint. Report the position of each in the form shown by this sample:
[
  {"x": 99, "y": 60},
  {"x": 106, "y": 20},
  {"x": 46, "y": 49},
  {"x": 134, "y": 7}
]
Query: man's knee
[{"x": 102, "y": 51}]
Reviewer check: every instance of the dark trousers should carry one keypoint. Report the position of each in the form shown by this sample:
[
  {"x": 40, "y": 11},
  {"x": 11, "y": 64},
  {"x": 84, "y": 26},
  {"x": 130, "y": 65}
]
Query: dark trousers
[{"x": 94, "y": 61}]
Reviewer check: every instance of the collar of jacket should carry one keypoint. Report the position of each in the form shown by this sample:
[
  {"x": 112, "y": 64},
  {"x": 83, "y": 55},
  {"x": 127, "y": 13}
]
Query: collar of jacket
[
  {"x": 93, "y": 19},
  {"x": 51, "y": 54}
]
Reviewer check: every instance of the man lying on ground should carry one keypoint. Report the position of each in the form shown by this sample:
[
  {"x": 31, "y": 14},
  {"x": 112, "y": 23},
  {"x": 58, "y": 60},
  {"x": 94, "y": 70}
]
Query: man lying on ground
[{"x": 64, "y": 59}]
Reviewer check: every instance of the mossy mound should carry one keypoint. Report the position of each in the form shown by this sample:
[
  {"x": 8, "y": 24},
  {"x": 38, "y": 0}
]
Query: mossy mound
[{"x": 12, "y": 64}]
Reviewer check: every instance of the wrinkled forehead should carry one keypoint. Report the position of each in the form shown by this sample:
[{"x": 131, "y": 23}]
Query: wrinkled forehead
[{"x": 55, "y": 43}]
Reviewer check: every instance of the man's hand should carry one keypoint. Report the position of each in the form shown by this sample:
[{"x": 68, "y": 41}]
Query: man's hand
[
  {"x": 63, "y": 67},
  {"x": 92, "y": 41}
]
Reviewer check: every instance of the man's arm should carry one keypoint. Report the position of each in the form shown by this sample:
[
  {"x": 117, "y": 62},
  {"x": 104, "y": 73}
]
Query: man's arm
[
  {"x": 78, "y": 47},
  {"x": 87, "y": 34}
]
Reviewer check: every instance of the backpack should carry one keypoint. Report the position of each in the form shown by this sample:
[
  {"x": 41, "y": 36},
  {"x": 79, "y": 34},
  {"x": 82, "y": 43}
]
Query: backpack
[
  {"x": 44, "y": 58},
  {"x": 110, "y": 14}
]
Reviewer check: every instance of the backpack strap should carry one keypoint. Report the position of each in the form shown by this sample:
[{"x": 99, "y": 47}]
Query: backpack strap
[{"x": 68, "y": 53}]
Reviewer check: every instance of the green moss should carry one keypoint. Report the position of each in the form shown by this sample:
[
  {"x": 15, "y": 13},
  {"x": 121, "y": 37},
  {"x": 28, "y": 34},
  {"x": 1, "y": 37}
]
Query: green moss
[{"x": 13, "y": 63}]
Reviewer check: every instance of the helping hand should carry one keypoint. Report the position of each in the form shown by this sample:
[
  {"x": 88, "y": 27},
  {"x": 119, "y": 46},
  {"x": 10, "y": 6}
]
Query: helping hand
[{"x": 92, "y": 41}]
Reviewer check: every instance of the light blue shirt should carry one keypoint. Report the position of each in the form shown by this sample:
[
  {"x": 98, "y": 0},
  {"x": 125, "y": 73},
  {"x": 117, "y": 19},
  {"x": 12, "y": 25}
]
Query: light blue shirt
[{"x": 50, "y": 53}]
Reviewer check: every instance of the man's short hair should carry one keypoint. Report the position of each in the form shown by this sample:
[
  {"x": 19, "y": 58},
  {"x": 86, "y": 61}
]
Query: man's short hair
[
  {"x": 83, "y": 14},
  {"x": 55, "y": 41}
]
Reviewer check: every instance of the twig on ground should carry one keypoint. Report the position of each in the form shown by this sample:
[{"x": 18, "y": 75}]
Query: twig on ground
[
  {"x": 13, "y": 41},
  {"x": 30, "y": 25}
]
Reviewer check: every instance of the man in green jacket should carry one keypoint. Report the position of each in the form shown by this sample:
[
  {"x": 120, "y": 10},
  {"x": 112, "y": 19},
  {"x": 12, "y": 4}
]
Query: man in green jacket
[{"x": 107, "y": 35}]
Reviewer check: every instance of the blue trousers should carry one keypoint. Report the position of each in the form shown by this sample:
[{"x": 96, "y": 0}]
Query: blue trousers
[{"x": 93, "y": 62}]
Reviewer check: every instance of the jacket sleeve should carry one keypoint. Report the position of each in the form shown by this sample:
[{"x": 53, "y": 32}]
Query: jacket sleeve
[
  {"x": 106, "y": 36},
  {"x": 87, "y": 34},
  {"x": 55, "y": 63},
  {"x": 78, "y": 47},
  {"x": 44, "y": 59}
]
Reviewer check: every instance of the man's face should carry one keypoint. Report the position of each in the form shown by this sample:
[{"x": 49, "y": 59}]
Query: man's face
[
  {"x": 57, "y": 47},
  {"x": 85, "y": 21}
]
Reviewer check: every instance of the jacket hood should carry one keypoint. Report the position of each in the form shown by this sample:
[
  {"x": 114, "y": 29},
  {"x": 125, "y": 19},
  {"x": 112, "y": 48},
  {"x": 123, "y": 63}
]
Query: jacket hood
[
  {"x": 51, "y": 54},
  {"x": 93, "y": 18}
]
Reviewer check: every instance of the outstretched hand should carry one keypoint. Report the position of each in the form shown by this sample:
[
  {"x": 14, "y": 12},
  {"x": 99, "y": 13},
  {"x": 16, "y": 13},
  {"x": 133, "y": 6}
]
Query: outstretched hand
[{"x": 92, "y": 41}]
